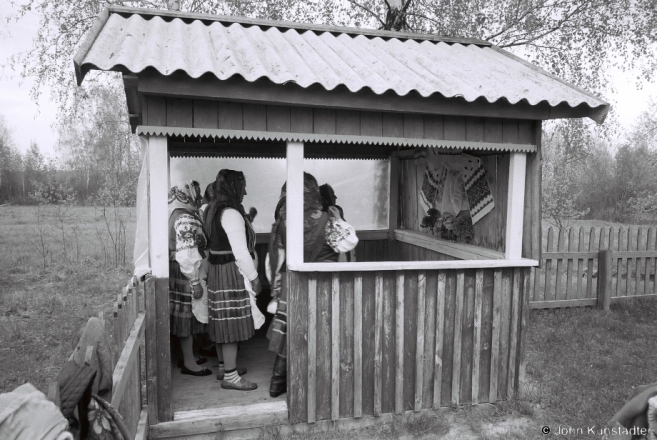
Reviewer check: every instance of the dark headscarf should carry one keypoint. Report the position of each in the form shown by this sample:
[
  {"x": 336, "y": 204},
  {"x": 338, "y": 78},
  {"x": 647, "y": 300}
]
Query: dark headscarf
[
  {"x": 228, "y": 192},
  {"x": 313, "y": 220},
  {"x": 328, "y": 196}
]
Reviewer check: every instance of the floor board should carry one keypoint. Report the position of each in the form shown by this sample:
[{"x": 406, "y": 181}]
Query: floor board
[{"x": 196, "y": 393}]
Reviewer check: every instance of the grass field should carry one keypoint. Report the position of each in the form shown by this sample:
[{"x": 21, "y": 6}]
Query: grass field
[{"x": 581, "y": 364}]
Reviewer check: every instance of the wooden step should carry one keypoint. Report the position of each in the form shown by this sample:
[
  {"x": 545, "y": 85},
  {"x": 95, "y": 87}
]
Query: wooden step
[{"x": 214, "y": 420}]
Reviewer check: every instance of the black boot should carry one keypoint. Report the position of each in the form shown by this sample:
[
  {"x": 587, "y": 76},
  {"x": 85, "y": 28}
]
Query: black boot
[{"x": 279, "y": 377}]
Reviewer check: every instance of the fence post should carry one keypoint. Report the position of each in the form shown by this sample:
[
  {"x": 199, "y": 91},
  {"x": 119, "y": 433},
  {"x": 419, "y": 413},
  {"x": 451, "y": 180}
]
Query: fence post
[{"x": 604, "y": 279}]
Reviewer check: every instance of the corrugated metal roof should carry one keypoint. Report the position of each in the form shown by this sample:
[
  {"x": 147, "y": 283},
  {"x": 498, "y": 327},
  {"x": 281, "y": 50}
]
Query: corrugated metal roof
[
  {"x": 139, "y": 39},
  {"x": 331, "y": 138}
]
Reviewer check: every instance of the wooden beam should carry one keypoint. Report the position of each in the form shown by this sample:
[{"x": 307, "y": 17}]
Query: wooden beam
[
  {"x": 457, "y": 250},
  {"x": 158, "y": 176},
  {"x": 358, "y": 346},
  {"x": 294, "y": 204},
  {"x": 266, "y": 92},
  {"x": 419, "y": 346},
  {"x": 399, "y": 343},
  {"x": 515, "y": 206},
  {"x": 365, "y": 266},
  {"x": 378, "y": 342},
  {"x": 312, "y": 348}
]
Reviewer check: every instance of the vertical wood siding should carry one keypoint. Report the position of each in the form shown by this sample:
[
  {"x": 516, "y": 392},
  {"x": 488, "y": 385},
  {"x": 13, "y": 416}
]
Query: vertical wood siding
[{"x": 429, "y": 339}]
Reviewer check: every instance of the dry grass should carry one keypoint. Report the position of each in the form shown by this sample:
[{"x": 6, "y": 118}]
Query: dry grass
[
  {"x": 582, "y": 364},
  {"x": 41, "y": 310}
]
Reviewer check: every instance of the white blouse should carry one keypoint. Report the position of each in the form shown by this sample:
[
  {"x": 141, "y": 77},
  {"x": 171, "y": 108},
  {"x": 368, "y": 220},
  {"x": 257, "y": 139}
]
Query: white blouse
[
  {"x": 235, "y": 228},
  {"x": 189, "y": 234}
]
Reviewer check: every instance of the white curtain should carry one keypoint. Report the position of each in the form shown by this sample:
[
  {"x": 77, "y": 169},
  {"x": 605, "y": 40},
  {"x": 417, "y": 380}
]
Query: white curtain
[{"x": 140, "y": 254}]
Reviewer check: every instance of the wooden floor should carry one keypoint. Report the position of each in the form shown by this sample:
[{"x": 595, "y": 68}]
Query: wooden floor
[{"x": 192, "y": 393}]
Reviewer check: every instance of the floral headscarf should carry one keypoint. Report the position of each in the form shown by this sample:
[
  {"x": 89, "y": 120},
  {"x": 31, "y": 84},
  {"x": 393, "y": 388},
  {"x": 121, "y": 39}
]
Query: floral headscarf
[
  {"x": 183, "y": 196},
  {"x": 228, "y": 192}
]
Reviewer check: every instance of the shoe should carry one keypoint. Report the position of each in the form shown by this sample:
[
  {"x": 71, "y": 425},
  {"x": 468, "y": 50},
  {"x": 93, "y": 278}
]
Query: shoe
[
  {"x": 209, "y": 352},
  {"x": 242, "y": 385},
  {"x": 240, "y": 371},
  {"x": 199, "y": 361},
  {"x": 278, "y": 384},
  {"x": 203, "y": 372}
]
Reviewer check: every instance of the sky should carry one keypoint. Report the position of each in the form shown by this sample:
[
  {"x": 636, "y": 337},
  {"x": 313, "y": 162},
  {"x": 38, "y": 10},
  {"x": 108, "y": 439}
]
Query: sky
[{"x": 33, "y": 121}]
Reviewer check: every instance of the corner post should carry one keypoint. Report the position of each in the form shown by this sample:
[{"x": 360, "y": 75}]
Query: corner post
[
  {"x": 294, "y": 204},
  {"x": 604, "y": 279},
  {"x": 515, "y": 206},
  {"x": 158, "y": 188}
]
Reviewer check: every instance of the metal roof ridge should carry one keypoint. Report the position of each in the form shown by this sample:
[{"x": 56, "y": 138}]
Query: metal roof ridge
[{"x": 297, "y": 26}]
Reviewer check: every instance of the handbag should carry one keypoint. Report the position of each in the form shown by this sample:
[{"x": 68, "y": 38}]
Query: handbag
[{"x": 341, "y": 235}]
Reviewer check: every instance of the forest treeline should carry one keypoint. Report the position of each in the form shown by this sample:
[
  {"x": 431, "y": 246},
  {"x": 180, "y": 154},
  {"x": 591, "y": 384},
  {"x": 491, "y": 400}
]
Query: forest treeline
[
  {"x": 585, "y": 175},
  {"x": 97, "y": 160}
]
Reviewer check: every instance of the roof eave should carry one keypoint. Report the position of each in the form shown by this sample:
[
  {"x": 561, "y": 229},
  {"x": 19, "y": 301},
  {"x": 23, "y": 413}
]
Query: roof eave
[{"x": 84, "y": 48}]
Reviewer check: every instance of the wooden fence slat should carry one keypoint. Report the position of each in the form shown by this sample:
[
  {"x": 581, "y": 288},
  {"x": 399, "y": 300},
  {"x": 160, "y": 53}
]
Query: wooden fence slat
[
  {"x": 419, "y": 347},
  {"x": 589, "y": 270},
  {"x": 399, "y": 336},
  {"x": 561, "y": 247},
  {"x": 579, "y": 293},
  {"x": 627, "y": 262},
  {"x": 641, "y": 240},
  {"x": 495, "y": 338},
  {"x": 142, "y": 427},
  {"x": 456, "y": 361},
  {"x": 312, "y": 348},
  {"x": 335, "y": 346},
  {"x": 438, "y": 357},
  {"x": 649, "y": 261},
  {"x": 476, "y": 345},
  {"x": 378, "y": 342},
  {"x": 547, "y": 295},
  {"x": 569, "y": 265},
  {"x": 620, "y": 262},
  {"x": 358, "y": 346},
  {"x": 513, "y": 331}
]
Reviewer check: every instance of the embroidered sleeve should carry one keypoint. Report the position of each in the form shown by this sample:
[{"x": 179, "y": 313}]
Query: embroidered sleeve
[
  {"x": 233, "y": 223},
  {"x": 189, "y": 238}
]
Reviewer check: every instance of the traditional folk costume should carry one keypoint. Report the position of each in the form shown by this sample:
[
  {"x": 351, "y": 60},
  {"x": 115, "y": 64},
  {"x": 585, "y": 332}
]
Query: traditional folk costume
[
  {"x": 186, "y": 244},
  {"x": 317, "y": 227},
  {"x": 232, "y": 249}
]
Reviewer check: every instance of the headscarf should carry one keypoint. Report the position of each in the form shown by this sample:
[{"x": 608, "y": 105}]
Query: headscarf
[
  {"x": 228, "y": 192},
  {"x": 312, "y": 215},
  {"x": 183, "y": 196},
  {"x": 328, "y": 196}
]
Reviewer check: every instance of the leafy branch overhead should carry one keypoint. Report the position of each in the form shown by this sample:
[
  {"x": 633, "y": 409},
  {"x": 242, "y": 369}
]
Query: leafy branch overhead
[{"x": 579, "y": 40}]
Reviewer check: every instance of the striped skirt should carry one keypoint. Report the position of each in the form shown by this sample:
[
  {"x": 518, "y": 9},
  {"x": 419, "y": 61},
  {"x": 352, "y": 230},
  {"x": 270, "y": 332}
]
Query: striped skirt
[
  {"x": 277, "y": 332},
  {"x": 230, "y": 317},
  {"x": 182, "y": 321}
]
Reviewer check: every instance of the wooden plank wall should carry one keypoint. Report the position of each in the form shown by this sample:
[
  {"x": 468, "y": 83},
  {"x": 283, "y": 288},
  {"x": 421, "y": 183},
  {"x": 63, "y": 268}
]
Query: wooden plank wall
[
  {"x": 175, "y": 112},
  {"x": 430, "y": 339}
]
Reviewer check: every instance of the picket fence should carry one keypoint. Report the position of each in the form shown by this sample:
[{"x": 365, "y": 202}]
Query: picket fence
[{"x": 593, "y": 267}]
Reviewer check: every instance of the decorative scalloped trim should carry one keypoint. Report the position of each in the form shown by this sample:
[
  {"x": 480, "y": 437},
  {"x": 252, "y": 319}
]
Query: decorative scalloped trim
[{"x": 332, "y": 138}]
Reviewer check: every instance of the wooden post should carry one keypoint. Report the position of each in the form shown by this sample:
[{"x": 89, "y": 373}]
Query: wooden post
[
  {"x": 515, "y": 206},
  {"x": 158, "y": 221},
  {"x": 604, "y": 279},
  {"x": 294, "y": 204}
]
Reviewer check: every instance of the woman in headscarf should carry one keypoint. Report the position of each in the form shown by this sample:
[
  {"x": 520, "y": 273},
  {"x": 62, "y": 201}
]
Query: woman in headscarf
[
  {"x": 186, "y": 244},
  {"x": 316, "y": 227},
  {"x": 231, "y": 266}
]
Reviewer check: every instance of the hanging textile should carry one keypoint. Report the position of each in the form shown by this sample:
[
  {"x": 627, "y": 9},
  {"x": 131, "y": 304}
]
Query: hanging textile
[{"x": 456, "y": 182}]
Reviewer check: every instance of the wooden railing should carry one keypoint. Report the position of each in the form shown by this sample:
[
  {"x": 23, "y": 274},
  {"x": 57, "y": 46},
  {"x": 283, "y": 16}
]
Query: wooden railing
[
  {"x": 127, "y": 337},
  {"x": 593, "y": 267}
]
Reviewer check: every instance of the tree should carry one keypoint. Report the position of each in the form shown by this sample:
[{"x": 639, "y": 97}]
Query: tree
[
  {"x": 10, "y": 164},
  {"x": 564, "y": 149},
  {"x": 577, "y": 40}
]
